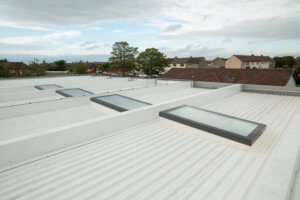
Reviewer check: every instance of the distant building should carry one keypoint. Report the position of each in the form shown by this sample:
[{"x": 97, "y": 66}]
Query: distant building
[
  {"x": 217, "y": 63},
  {"x": 243, "y": 62},
  {"x": 191, "y": 62},
  {"x": 274, "y": 77},
  {"x": 17, "y": 68},
  {"x": 297, "y": 60}
]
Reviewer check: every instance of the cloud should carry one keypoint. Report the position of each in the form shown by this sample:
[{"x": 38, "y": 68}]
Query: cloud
[
  {"x": 70, "y": 13},
  {"x": 173, "y": 27},
  {"x": 34, "y": 39},
  {"x": 227, "y": 40},
  {"x": 93, "y": 47},
  {"x": 266, "y": 28},
  {"x": 195, "y": 51},
  {"x": 86, "y": 44}
]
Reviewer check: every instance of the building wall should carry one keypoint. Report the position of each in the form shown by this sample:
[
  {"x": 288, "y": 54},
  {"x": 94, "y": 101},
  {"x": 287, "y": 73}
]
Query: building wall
[
  {"x": 217, "y": 63},
  {"x": 233, "y": 63},
  {"x": 259, "y": 65},
  {"x": 291, "y": 82},
  {"x": 203, "y": 63},
  {"x": 191, "y": 65}
]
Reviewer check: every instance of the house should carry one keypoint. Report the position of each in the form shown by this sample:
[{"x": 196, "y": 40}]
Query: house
[
  {"x": 217, "y": 63},
  {"x": 191, "y": 62},
  {"x": 275, "y": 77},
  {"x": 243, "y": 61},
  {"x": 297, "y": 60},
  {"x": 17, "y": 68}
]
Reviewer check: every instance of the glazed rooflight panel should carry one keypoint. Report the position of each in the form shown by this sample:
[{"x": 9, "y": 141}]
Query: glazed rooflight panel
[
  {"x": 119, "y": 102},
  {"x": 47, "y": 87},
  {"x": 74, "y": 92},
  {"x": 226, "y": 126}
]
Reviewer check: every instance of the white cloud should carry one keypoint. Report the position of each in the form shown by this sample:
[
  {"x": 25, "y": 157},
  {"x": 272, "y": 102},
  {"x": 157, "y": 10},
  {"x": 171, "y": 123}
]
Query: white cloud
[{"x": 21, "y": 40}]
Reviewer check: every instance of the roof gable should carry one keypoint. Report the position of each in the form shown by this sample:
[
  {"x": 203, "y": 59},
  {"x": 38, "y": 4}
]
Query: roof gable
[{"x": 252, "y": 58}]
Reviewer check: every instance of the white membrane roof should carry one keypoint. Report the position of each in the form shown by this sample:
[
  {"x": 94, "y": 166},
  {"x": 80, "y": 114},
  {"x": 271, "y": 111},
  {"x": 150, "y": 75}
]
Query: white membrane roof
[
  {"x": 21, "y": 91},
  {"x": 23, "y": 121},
  {"x": 155, "y": 161}
]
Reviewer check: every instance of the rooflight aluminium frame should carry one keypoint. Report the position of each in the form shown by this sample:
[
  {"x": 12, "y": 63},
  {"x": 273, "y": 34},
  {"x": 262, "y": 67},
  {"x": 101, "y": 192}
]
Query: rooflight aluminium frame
[
  {"x": 113, "y": 106},
  {"x": 40, "y": 87},
  {"x": 61, "y": 92},
  {"x": 248, "y": 140}
]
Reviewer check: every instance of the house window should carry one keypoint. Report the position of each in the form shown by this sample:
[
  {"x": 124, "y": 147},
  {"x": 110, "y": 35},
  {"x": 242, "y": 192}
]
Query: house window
[
  {"x": 174, "y": 64},
  {"x": 182, "y": 65}
]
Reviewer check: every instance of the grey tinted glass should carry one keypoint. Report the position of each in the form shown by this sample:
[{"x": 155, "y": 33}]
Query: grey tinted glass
[
  {"x": 47, "y": 87},
  {"x": 215, "y": 120},
  {"x": 233, "y": 128},
  {"x": 74, "y": 92},
  {"x": 118, "y": 102}
]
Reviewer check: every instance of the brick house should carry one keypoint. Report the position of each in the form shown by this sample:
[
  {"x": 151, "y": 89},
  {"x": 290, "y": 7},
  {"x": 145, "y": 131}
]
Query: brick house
[
  {"x": 217, "y": 63},
  {"x": 190, "y": 62},
  {"x": 243, "y": 62}
]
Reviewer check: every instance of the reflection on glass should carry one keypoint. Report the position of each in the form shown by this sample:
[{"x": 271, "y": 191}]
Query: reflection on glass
[
  {"x": 73, "y": 92},
  {"x": 47, "y": 87},
  {"x": 118, "y": 102}
]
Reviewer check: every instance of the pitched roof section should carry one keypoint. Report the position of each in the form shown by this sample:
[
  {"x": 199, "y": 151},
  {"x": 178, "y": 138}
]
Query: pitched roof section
[
  {"x": 253, "y": 58},
  {"x": 191, "y": 60},
  {"x": 276, "y": 77}
]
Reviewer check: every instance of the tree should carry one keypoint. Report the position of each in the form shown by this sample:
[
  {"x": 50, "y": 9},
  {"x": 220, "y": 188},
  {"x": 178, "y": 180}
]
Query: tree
[
  {"x": 284, "y": 61},
  {"x": 60, "y": 65},
  {"x": 297, "y": 67},
  {"x": 80, "y": 68},
  {"x": 151, "y": 61},
  {"x": 3, "y": 60},
  {"x": 123, "y": 58},
  {"x": 4, "y": 70},
  {"x": 105, "y": 67}
]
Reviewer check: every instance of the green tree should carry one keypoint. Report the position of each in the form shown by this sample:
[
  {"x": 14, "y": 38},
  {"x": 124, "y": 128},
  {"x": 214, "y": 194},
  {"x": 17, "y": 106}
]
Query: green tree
[
  {"x": 105, "y": 67},
  {"x": 60, "y": 65},
  {"x": 284, "y": 61},
  {"x": 3, "y": 60},
  {"x": 123, "y": 58},
  {"x": 151, "y": 61},
  {"x": 4, "y": 70},
  {"x": 80, "y": 68},
  {"x": 36, "y": 69},
  {"x": 297, "y": 67}
]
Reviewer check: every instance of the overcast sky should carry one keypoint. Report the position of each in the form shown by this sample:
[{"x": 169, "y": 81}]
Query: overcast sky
[{"x": 87, "y": 29}]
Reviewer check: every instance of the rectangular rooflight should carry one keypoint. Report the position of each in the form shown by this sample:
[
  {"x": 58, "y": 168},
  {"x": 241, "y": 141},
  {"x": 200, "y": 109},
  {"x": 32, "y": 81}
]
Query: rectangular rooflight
[
  {"x": 73, "y": 92},
  {"x": 233, "y": 128},
  {"x": 119, "y": 102},
  {"x": 47, "y": 87}
]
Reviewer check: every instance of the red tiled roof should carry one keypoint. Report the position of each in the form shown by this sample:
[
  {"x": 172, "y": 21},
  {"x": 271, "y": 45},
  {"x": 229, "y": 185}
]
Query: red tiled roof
[
  {"x": 16, "y": 65},
  {"x": 276, "y": 77},
  {"x": 253, "y": 58}
]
